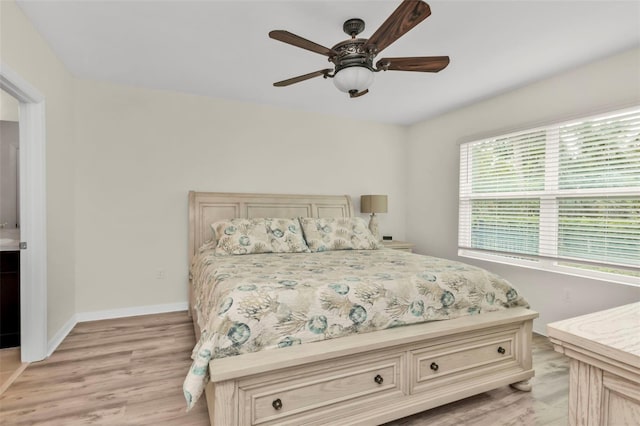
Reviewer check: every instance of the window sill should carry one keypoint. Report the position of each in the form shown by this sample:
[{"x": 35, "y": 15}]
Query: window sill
[{"x": 552, "y": 266}]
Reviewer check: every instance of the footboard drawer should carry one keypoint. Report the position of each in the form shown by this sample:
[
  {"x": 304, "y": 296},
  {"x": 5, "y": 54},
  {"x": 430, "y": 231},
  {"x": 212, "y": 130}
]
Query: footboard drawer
[
  {"x": 293, "y": 397},
  {"x": 436, "y": 366}
]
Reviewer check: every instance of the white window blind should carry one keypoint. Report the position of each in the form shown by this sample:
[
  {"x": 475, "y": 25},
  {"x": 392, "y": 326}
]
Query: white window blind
[{"x": 561, "y": 195}]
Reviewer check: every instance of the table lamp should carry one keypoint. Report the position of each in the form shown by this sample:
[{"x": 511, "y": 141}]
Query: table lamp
[{"x": 373, "y": 204}]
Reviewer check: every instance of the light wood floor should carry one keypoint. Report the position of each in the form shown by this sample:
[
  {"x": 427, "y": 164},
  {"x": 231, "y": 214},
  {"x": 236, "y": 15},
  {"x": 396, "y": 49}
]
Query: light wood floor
[
  {"x": 10, "y": 367},
  {"x": 129, "y": 372}
]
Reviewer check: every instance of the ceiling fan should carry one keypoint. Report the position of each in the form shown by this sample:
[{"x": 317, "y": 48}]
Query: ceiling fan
[{"x": 353, "y": 58}]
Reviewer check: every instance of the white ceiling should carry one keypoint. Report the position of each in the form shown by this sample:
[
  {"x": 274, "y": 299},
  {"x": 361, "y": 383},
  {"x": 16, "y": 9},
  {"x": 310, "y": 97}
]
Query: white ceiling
[{"x": 221, "y": 48}]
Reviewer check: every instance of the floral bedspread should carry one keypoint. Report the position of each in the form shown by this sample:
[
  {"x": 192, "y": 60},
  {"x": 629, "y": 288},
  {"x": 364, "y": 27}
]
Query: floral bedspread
[{"x": 265, "y": 301}]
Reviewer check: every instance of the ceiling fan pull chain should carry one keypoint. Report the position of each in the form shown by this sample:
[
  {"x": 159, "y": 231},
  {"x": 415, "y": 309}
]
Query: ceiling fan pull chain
[{"x": 356, "y": 94}]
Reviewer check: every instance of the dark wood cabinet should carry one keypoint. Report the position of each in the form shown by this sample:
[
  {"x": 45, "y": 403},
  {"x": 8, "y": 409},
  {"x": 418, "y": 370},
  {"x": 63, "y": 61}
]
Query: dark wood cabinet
[{"x": 9, "y": 299}]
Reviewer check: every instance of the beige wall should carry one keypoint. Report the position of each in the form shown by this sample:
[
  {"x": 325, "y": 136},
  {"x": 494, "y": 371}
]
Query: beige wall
[
  {"x": 140, "y": 151},
  {"x": 432, "y": 160},
  {"x": 25, "y": 52},
  {"x": 8, "y": 107},
  {"x": 119, "y": 172}
]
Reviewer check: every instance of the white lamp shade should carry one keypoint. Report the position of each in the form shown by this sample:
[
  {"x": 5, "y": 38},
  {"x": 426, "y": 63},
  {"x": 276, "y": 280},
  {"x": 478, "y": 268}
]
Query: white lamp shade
[{"x": 353, "y": 78}]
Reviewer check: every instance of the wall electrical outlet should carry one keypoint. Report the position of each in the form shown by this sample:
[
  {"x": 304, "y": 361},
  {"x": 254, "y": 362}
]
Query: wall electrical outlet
[{"x": 161, "y": 274}]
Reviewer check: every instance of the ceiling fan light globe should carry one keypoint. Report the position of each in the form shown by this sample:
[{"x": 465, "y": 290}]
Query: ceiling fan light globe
[{"x": 353, "y": 78}]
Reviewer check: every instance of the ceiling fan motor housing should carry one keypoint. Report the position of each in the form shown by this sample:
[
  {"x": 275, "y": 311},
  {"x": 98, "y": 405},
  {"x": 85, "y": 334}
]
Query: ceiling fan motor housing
[{"x": 351, "y": 54}]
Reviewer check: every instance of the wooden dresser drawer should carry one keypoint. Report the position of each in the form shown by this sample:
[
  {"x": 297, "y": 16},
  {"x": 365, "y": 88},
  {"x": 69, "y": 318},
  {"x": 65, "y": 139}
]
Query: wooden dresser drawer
[
  {"x": 467, "y": 357},
  {"x": 295, "y": 397}
]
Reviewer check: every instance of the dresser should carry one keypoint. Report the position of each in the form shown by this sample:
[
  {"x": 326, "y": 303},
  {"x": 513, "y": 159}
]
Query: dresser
[
  {"x": 604, "y": 377},
  {"x": 398, "y": 245}
]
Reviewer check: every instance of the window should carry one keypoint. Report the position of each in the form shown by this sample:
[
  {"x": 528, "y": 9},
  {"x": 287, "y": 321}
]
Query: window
[{"x": 564, "y": 197}]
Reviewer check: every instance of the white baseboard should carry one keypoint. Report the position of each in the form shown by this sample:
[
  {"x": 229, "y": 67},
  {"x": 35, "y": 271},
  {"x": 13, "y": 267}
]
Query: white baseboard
[
  {"x": 131, "y": 312},
  {"x": 61, "y": 334},
  {"x": 111, "y": 314}
]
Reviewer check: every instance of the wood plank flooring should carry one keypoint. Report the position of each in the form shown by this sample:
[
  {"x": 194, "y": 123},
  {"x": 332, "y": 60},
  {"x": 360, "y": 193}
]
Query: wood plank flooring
[
  {"x": 129, "y": 371},
  {"x": 10, "y": 367}
]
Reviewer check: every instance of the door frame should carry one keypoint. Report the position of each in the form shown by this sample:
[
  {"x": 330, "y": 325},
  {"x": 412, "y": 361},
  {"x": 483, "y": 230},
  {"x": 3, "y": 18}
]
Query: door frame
[{"x": 33, "y": 215}]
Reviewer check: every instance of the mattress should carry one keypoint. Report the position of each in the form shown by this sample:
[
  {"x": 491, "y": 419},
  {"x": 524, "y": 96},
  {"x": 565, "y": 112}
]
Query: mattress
[{"x": 258, "y": 302}]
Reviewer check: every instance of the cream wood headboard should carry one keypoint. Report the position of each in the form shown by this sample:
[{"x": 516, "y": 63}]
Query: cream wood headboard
[{"x": 206, "y": 208}]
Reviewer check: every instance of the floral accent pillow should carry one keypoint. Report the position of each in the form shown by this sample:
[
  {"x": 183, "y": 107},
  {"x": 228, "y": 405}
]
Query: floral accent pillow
[
  {"x": 241, "y": 236},
  {"x": 285, "y": 236},
  {"x": 348, "y": 233}
]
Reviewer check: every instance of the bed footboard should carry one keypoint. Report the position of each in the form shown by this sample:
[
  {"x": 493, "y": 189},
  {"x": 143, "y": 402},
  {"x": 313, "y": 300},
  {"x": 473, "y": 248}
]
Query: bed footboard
[{"x": 374, "y": 377}]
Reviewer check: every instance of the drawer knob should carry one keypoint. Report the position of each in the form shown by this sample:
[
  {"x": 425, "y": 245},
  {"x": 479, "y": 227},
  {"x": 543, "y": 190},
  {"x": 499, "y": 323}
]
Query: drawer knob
[
  {"x": 434, "y": 366},
  {"x": 378, "y": 379},
  {"x": 277, "y": 404},
  {"x": 501, "y": 350}
]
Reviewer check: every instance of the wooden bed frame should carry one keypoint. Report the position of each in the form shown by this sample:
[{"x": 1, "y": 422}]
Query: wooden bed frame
[{"x": 364, "y": 379}]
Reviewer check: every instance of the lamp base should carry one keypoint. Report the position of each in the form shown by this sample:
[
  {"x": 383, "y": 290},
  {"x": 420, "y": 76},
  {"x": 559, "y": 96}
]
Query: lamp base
[{"x": 374, "y": 226}]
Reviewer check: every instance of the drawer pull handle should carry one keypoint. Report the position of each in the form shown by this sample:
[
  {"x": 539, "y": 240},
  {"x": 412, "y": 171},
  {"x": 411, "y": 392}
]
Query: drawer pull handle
[
  {"x": 277, "y": 404},
  {"x": 378, "y": 379},
  {"x": 501, "y": 350},
  {"x": 434, "y": 366}
]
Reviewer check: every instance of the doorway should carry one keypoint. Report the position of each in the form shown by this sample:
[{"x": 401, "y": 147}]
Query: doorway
[
  {"x": 10, "y": 360},
  {"x": 9, "y": 223},
  {"x": 32, "y": 214}
]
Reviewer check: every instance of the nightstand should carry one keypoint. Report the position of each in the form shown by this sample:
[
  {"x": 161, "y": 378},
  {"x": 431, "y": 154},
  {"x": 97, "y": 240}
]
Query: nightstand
[{"x": 399, "y": 245}]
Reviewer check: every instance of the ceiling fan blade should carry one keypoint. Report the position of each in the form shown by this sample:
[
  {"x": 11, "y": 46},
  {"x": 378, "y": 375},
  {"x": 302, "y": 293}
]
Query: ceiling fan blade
[
  {"x": 294, "y": 40},
  {"x": 300, "y": 78},
  {"x": 409, "y": 14},
  {"x": 423, "y": 64}
]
